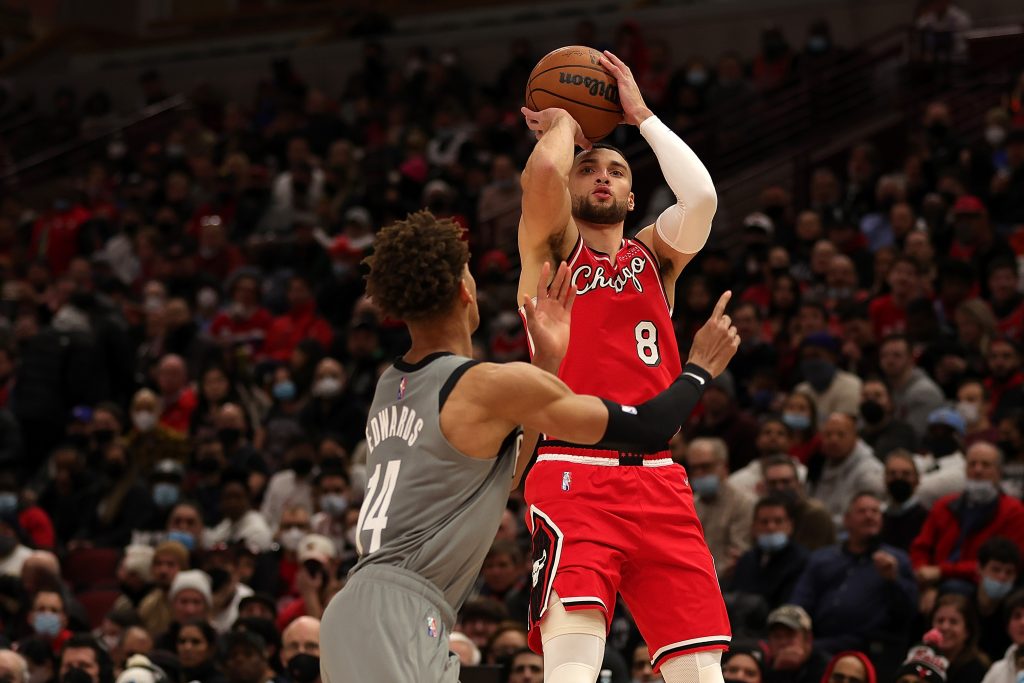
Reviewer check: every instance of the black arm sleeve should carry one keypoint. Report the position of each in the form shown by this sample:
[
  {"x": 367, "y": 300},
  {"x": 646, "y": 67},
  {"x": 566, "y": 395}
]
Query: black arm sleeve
[{"x": 648, "y": 427}]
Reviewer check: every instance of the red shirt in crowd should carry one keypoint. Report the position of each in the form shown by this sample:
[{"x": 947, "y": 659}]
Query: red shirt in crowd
[
  {"x": 887, "y": 317},
  {"x": 289, "y": 329},
  {"x": 55, "y": 237},
  {"x": 251, "y": 329},
  {"x": 177, "y": 414},
  {"x": 37, "y": 525},
  {"x": 997, "y": 389}
]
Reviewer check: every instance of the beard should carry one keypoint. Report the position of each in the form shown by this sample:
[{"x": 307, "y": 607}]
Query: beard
[{"x": 608, "y": 214}]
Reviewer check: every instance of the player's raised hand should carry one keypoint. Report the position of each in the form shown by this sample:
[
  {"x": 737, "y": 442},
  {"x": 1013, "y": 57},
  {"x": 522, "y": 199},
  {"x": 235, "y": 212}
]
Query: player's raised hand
[
  {"x": 547, "y": 318},
  {"x": 540, "y": 122},
  {"x": 634, "y": 110},
  {"x": 716, "y": 342}
]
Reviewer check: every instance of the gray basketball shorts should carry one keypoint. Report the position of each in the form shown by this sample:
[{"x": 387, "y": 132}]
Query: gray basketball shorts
[{"x": 387, "y": 625}]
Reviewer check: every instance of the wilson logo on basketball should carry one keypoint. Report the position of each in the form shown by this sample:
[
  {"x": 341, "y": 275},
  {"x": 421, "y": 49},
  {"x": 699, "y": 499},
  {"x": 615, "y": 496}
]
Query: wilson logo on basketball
[
  {"x": 587, "y": 279},
  {"x": 595, "y": 86}
]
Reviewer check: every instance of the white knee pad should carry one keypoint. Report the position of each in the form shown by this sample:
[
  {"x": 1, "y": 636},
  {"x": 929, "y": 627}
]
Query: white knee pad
[
  {"x": 700, "y": 667},
  {"x": 573, "y": 644}
]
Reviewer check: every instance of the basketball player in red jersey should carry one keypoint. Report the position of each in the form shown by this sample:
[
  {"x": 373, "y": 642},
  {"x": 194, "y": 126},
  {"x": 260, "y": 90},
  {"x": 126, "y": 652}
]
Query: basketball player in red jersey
[{"x": 605, "y": 522}]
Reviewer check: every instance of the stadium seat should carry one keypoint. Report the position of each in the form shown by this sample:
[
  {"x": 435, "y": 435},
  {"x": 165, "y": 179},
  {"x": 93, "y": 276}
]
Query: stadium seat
[
  {"x": 97, "y": 603},
  {"x": 89, "y": 568}
]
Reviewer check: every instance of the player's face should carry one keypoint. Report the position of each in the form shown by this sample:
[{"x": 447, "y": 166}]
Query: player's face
[{"x": 599, "y": 184}]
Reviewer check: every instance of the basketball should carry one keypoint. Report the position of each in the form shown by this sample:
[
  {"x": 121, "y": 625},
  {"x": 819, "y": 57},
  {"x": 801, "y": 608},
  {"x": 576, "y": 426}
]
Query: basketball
[{"x": 572, "y": 78}]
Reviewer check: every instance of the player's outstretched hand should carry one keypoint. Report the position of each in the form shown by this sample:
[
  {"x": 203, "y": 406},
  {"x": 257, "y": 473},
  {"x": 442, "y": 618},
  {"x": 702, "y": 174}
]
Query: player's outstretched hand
[
  {"x": 634, "y": 111},
  {"x": 716, "y": 343},
  {"x": 541, "y": 122},
  {"x": 547, "y": 318}
]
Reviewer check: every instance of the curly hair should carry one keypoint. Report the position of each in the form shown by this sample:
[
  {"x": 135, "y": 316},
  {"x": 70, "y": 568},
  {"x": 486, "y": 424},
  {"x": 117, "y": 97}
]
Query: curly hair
[{"x": 416, "y": 267}]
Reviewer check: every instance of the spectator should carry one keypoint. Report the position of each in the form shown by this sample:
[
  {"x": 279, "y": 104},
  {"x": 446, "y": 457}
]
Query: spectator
[
  {"x": 794, "y": 657},
  {"x": 291, "y": 486},
  {"x": 880, "y": 430},
  {"x": 914, "y": 394},
  {"x": 245, "y": 658},
  {"x": 300, "y": 322},
  {"x": 1006, "y": 378},
  {"x": 13, "y": 667},
  {"x": 191, "y": 597},
  {"x": 833, "y": 390},
  {"x": 480, "y": 619},
  {"x": 169, "y": 559},
  {"x": 771, "y": 568},
  {"x": 743, "y": 665},
  {"x": 904, "y": 515},
  {"x": 812, "y": 524},
  {"x": 889, "y": 311},
  {"x": 723, "y": 510},
  {"x": 195, "y": 642},
  {"x": 943, "y": 464},
  {"x": 134, "y": 576},
  {"x": 243, "y": 323},
  {"x": 945, "y": 553},
  {"x": 509, "y": 638},
  {"x": 49, "y": 619},
  {"x": 258, "y": 606},
  {"x": 176, "y": 396},
  {"x": 973, "y": 405},
  {"x": 300, "y": 650},
  {"x": 12, "y": 553},
  {"x": 227, "y": 587},
  {"x": 957, "y": 622},
  {"x": 332, "y": 492},
  {"x": 502, "y": 579},
  {"x": 123, "y": 504},
  {"x": 854, "y": 667},
  {"x": 723, "y": 419},
  {"x": 185, "y": 525},
  {"x": 150, "y": 442},
  {"x": 860, "y": 588},
  {"x": 850, "y": 466},
  {"x": 241, "y": 523},
  {"x": 42, "y": 665},
  {"x": 135, "y": 640},
  {"x": 801, "y": 416},
  {"x": 467, "y": 651},
  {"x": 83, "y": 653},
  {"x": 998, "y": 566},
  {"x": 316, "y": 581},
  {"x": 330, "y": 410},
  {"x": 1006, "y": 670},
  {"x": 526, "y": 667},
  {"x": 773, "y": 440}
]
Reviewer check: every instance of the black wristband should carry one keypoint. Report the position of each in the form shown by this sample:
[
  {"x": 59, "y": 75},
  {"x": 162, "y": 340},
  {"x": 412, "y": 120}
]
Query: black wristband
[
  {"x": 648, "y": 427},
  {"x": 697, "y": 374}
]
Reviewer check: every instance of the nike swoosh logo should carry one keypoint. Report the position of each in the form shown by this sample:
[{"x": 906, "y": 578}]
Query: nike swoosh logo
[{"x": 696, "y": 377}]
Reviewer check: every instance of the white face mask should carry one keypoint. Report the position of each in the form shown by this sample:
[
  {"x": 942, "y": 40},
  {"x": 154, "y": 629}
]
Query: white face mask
[
  {"x": 290, "y": 539},
  {"x": 969, "y": 411},
  {"x": 327, "y": 387},
  {"x": 144, "y": 420},
  {"x": 995, "y": 135}
]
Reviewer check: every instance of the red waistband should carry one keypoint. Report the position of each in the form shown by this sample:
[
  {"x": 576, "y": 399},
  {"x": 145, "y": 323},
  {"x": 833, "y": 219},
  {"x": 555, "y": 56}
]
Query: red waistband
[{"x": 555, "y": 448}]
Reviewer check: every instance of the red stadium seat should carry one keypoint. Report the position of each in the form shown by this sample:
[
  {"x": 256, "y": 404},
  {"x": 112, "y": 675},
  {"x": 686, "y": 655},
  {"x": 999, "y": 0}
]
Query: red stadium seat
[
  {"x": 87, "y": 568},
  {"x": 97, "y": 603}
]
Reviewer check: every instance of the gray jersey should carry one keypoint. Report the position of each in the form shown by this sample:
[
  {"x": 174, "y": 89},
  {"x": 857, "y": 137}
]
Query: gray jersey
[{"x": 428, "y": 508}]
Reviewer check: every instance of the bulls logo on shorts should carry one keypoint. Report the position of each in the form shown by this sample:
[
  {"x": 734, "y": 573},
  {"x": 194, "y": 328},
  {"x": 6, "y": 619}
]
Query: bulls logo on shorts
[{"x": 547, "y": 547}]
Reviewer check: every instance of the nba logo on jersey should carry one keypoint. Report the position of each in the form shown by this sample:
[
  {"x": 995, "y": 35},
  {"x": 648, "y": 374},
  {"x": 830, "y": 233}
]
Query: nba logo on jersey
[
  {"x": 566, "y": 481},
  {"x": 401, "y": 388},
  {"x": 432, "y": 627}
]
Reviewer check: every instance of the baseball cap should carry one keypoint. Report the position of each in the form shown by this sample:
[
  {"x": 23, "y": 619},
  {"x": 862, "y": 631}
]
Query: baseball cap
[
  {"x": 949, "y": 418},
  {"x": 318, "y": 548},
  {"x": 759, "y": 221},
  {"x": 264, "y": 599},
  {"x": 925, "y": 664},
  {"x": 168, "y": 470},
  {"x": 968, "y": 204},
  {"x": 791, "y": 616}
]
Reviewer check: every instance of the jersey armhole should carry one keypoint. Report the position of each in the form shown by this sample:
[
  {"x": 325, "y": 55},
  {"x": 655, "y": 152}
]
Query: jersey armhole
[{"x": 453, "y": 379}]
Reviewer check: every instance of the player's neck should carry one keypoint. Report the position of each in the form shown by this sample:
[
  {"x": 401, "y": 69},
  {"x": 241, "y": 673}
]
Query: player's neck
[
  {"x": 602, "y": 237},
  {"x": 447, "y": 334}
]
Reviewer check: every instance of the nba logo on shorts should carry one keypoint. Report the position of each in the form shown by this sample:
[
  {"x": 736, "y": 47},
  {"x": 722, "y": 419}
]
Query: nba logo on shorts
[
  {"x": 432, "y": 627},
  {"x": 401, "y": 388},
  {"x": 566, "y": 481}
]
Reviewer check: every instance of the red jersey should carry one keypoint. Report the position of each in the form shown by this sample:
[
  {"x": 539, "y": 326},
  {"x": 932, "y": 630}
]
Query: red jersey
[{"x": 622, "y": 345}]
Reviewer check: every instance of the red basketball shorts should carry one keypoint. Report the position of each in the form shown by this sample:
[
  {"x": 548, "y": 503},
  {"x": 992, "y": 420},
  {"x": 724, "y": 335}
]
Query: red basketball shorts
[{"x": 602, "y": 529}]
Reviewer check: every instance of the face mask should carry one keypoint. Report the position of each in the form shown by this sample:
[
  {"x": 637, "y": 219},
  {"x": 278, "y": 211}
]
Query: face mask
[
  {"x": 995, "y": 136},
  {"x": 818, "y": 372},
  {"x": 46, "y": 624},
  {"x": 706, "y": 486},
  {"x": 969, "y": 411},
  {"x": 796, "y": 421},
  {"x": 184, "y": 538},
  {"x": 772, "y": 542},
  {"x": 304, "y": 668},
  {"x": 144, "y": 420},
  {"x": 940, "y": 445},
  {"x": 997, "y": 590},
  {"x": 328, "y": 387},
  {"x": 8, "y": 502},
  {"x": 103, "y": 436},
  {"x": 114, "y": 469},
  {"x": 291, "y": 538},
  {"x": 817, "y": 44},
  {"x": 872, "y": 412},
  {"x": 165, "y": 494},
  {"x": 980, "y": 492},
  {"x": 900, "y": 490},
  {"x": 334, "y": 504},
  {"x": 696, "y": 77},
  {"x": 302, "y": 466},
  {"x": 284, "y": 391},
  {"x": 229, "y": 436},
  {"x": 76, "y": 675}
]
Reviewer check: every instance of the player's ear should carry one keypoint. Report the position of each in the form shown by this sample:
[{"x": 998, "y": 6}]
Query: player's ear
[
  {"x": 631, "y": 202},
  {"x": 465, "y": 295}
]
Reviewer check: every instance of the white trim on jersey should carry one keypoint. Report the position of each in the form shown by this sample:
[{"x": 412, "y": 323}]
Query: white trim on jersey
[
  {"x": 583, "y": 598},
  {"x": 597, "y": 460},
  {"x": 692, "y": 642},
  {"x": 553, "y": 562},
  {"x": 529, "y": 337},
  {"x": 653, "y": 258},
  {"x": 577, "y": 250}
]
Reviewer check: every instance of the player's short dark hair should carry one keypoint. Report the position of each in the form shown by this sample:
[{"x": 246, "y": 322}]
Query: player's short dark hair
[
  {"x": 605, "y": 145},
  {"x": 416, "y": 267},
  {"x": 999, "y": 549}
]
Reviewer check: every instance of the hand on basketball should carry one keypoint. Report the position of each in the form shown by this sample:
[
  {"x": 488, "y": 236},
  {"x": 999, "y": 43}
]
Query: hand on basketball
[
  {"x": 540, "y": 122},
  {"x": 716, "y": 343},
  {"x": 548, "y": 318},
  {"x": 634, "y": 111}
]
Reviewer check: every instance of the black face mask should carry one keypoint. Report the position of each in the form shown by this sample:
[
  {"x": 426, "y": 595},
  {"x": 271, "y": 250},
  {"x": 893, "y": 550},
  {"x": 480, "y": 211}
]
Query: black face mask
[
  {"x": 76, "y": 675},
  {"x": 229, "y": 437},
  {"x": 208, "y": 466},
  {"x": 114, "y": 469},
  {"x": 304, "y": 668},
  {"x": 302, "y": 466},
  {"x": 103, "y": 436},
  {"x": 900, "y": 490},
  {"x": 872, "y": 412},
  {"x": 7, "y": 545},
  {"x": 941, "y": 445}
]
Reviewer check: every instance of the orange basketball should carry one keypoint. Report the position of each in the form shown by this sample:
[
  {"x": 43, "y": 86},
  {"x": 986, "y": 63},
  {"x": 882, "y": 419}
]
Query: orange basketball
[{"x": 572, "y": 78}]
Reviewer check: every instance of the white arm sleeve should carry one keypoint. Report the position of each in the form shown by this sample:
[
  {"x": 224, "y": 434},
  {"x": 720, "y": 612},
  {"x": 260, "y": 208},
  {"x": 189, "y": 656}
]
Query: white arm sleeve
[{"x": 685, "y": 225}]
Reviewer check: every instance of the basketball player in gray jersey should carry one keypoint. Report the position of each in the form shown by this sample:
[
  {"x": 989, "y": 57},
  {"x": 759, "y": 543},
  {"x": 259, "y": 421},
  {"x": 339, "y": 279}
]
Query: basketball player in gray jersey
[{"x": 443, "y": 437}]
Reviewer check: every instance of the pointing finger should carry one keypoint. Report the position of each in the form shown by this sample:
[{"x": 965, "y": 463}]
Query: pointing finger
[{"x": 723, "y": 301}]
